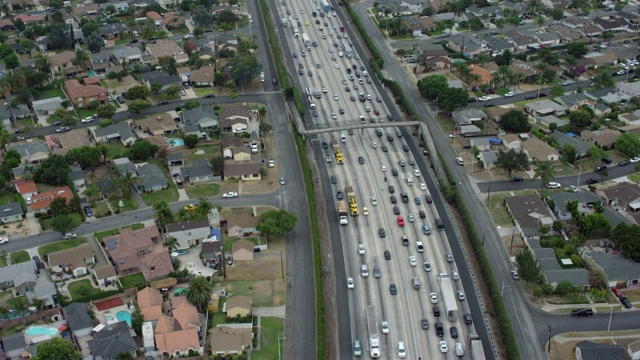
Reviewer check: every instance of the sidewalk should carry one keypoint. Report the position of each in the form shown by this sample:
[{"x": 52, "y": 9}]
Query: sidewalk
[{"x": 277, "y": 312}]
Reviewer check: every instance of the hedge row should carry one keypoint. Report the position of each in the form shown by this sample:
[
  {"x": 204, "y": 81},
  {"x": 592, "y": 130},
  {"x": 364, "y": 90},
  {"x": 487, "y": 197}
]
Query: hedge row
[
  {"x": 309, "y": 186},
  {"x": 96, "y": 296}
]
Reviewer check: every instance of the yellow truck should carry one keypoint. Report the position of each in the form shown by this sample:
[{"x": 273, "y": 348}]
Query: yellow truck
[
  {"x": 337, "y": 152},
  {"x": 351, "y": 198}
]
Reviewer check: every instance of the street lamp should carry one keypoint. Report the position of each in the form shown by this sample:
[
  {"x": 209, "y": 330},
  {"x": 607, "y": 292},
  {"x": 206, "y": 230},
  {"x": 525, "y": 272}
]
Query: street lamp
[
  {"x": 579, "y": 172},
  {"x": 539, "y": 85}
]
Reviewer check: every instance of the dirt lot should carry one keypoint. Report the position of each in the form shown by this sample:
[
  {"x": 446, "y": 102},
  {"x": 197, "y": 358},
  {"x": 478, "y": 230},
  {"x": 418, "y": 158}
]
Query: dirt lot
[{"x": 120, "y": 86}]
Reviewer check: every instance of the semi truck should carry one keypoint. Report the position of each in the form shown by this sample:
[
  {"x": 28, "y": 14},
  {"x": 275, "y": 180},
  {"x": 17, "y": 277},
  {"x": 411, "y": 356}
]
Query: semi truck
[
  {"x": 342, "y": 212},
  {"x": 306, "y": 39},
  {"x": 476, "y": 348},
  {"x": 374, "y": 338},
  {"x": 337, "y": 152},
  {"x": 351, "y": 197},
  {"x": 284, "y": 22},
  {"x": 448, "y": 297}
]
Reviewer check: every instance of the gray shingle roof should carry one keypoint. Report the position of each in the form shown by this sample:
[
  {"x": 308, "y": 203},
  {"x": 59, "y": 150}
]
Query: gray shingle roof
[
  {"x": 615, "y": 265},
  {"x": 596, "y": 351},
  {"x": 157, "y": 77},
  {"x": 78, "y": 316},
  {"x": 112, "y": 340},
  {"x": 577, "y": 277},
  {"x": 13, "y": 342},
  {"x": 151, "y": 176},
  {"x": 199, "y": 168},
  {"x": 10, "y": 210},
  {"x": 121, "y": 129},
  {"x": 561, "y": 199},
  {"x": 18, "y": 273},
  {"x": 193, "y": 116},
  {"x": 582, "y": 147},
  {"x": 29, "y": 148}
]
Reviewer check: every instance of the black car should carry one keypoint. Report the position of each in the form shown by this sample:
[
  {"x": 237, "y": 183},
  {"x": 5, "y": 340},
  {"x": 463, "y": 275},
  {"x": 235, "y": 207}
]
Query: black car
[
  {"x": 274, "y": 81},
  {"x": 87, "y": 211},
  {"x": 489, "y": 104},
  {"x": 381, "y": 232},
  {"x": 606, "y": 160},
  {"x": 592, "y": 181},
  {"x": 393, "y": 199},
  {"x": 325, "y": 145},
  {"x": 163, "y": 102},
  {"x": 624, "y": 162},
  {"x": 387, "y": 255},
  {"x": 472, "y": 100},
  {"x": 601, "y": 168},
  {"x": 384, "y": 148},
  {"x": 315, "y": 113},
  {"x": 529, "y": 97},
  {"x": 424, "y": 323},
  {"x": 626, "y": 302},
  {"x": 389, "y": 137},
  {"x": 454, "y": 332},
  {"x": 516, "y": 179},
  {"x": 428, "y": 199},
  {"x": 396, "y": 210},
  {"x": 467, "y": 318},
  {"x": 340, "y": 195},
  {"x": 393, "y": 289},
  {"x": 582, "y": 313},
  {"x": 436, "y": 310},
  {"x": 405, "y": 147},
  {"x": 57, "y": 123},
  {"x": 422, "y": 214},
  {"x": 360, "y": 160},
  {"x": 209, "y": 96},
  {"x": 394, "y": 172},
  {"x": 391, "y": 189},
  {"x": 542, "y": 95}
]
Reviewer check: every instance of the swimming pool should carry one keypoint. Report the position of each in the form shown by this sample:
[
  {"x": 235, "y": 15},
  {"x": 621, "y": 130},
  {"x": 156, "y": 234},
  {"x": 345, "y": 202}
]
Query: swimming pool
[
  {"x": 175, "y": 142},
  {"x": 41, "y": 330},
  {"x": 124, "y": 315},
  {"x": 179, "y": 291}
]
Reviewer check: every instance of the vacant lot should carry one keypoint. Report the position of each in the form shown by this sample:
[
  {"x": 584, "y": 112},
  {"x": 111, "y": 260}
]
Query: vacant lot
[{"x": 262, "y": 293}]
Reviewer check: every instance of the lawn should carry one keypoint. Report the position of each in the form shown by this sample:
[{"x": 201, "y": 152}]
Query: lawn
[
  {"x": 271, "y": 328},
  {"x": 229, "y": 241},
  {"x": 169, "y": 195},
  {"x": 78, "y": 289},
  {"x": 497, "y": 210},
  {"x": 129, "y": 205},
  {"x": 46, "y": 223},
  {"x": 48, "y": 94},
  {"x": 209, "y": 151},
  {"x": 197, "y": 191},
  {"x": 200, "y": 92},
  {"x": 7, "y": 197},
  {"x": 115, "y": 151},
  {"x": 634, "y": 177},
  {"x": 101, "y": 235},
  {"x": 19, "y": 257},
  {"x": 133, "y": 280},
  {"x": 83, "y": 113},
  {"x": 100, "y": 209},
  {"x": 60, "y": 245},
  {"x": 3, "y": 262}
]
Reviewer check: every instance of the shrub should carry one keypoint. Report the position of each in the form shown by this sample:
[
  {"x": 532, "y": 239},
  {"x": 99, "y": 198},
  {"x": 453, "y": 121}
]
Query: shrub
[{"x": 537, "y": 292}]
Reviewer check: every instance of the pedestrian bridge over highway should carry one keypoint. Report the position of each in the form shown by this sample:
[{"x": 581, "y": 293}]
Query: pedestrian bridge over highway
[{"x": 303, "y": 130}]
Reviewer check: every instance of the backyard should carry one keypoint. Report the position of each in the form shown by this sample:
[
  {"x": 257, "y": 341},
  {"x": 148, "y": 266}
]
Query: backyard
[
  {"x": 205, "y": 151},
  {"x": 60, "y": 245},
  {"x": 81, "y": 288},
  {"x": 133, "y": 280},
  {"x": 7, "y": 198},
  {"x": 51, "y": 93},
  {"x": 271, "y": 329}
]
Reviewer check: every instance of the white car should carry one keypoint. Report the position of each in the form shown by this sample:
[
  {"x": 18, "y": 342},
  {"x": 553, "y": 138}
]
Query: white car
[
  {"x": 510, "y": 94},
  {"x": 335, "y": 97},
  {"x": 374, "y": 201},
  {"x": 459, "y": 349},
  {"x": 416, "y": 172},
  {"x": 411, "y": 218},
  {"x": 553, "y": 185},
  {"x": 4, "y": 240},
  {"x": 423, "y": 186},
  {"x": 87, "y": 119},
  {"x": 272, "y": 163},
  {"x": 336, "y": 65},
  {"x": 419, "y": 246},
  {"x": 455, "y": 275},
  {"x": 230, "y": 194},
  {"x": 374, "y": 144},
  {"x": 434, "y": 298},
  {"x": 383, "y": 168},
  {"x": 413, "y": 261},
  {"x": 460, "y": 295},
  {"x": 484, "y": 98},
  {"x": 350, "y": 283},
  {"x": 361, "y": 249},
  {"x": 385, "y": 327},
  {"x": 324, "y": 90},
  {"x": 70, "y": 235},
  {"x": 634, "y": 160},
  {"x": 443, "y": 347}
]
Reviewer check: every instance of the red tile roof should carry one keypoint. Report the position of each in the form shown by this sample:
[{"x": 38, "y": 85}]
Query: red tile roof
[
  {"x": 28, "y": 18},
  {"x": 76, "y": 90},
  {"x": 42, "y": 201},
  {"x": 25, "y": 186}
]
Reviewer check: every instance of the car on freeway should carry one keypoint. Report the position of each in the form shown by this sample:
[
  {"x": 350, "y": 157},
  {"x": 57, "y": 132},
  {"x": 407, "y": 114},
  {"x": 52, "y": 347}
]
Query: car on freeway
[
  {"x": 357, "y": 348},
  {"x": 411, "y": 218},
  {"x": 413, "y": 261},
  {"x": 70, "y": 235},
  {"x": 460, "y": 295},
  {"x": 328, "y": 158},
  {"x": 424, "y": 324},
  {"x": 455, "y": 275},
  {"x": 381, "y": 232},
  {"x": 454, "y": 332},
  {"x": 427, "y": 266},
  {"x": 423, "y": 186},
  {"x": 449, "y": 257},
  {"x": 393, "y": 289},
  {"x": 361, "y": 249},
  {"x": 418, "y": 201},
  {"x": 339, "y": 194},
  {"x": 467, "y": 318},
  {"x": 374, "y": 201},
  {"x": 443, "y": 347},
  {"x": 387, "y": 255},
  {"x": 393, "y": 199},
  {"x": 384, "y": 326},
  {"x": 553, "y": 185},
  {"x": 434, "y": 298},
  {"x": 377, "y": 273},
  {"x": 365, "y": 211},
  {"x": 426, "y": 229},
  {"x": 230, "y": 194},
  {"x": 400, "y": 221},
  {"x": 350, "y": 283},
  {"x": 419, "y": 246}
]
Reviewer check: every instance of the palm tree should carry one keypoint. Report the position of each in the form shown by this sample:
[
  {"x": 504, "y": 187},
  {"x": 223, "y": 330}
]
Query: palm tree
[
  {"x": 199, "y": 291},
  {"x": 171, "y": 243},
  {"x": 204, "y": 207},
  {"x": 81, "y": 58},
  {"x": 545, "y": 171},
  {"x": 126, "y": 182},
  {"x": 5, "y": 137},
  {"x": 20, "y": 306},
  {"x": 38, "y": 304},
  {"x": 163, "y": 213},
  {"x": 4, "y": 312}
]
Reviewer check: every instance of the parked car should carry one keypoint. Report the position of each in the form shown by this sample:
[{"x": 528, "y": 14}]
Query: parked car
[
  {"x": 625, "y": 302},
  {"x": 617, "y": 292},
  {"x": 70, "y": 235},
  {"x": 592, "y": 181},
  {"x": 87, "y": 211},
  {"x": 582, "y": 313},
  {"x": 516, "y": 179}
]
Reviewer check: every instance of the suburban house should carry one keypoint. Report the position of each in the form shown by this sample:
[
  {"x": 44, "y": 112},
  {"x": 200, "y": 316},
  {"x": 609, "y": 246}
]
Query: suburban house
[
  {"x": 178, "y": 335},
  {"x": 489, "y": 159},
  {"x": 76, "y": 175},
  {"x": 46, "y": 291},
  {"x": 624, "y": 195},
  {"x": 162, "y": 78},
  {"x": 150, "y": 304},
  {"x": 113, "y": 133},
  {"x": 249, "y": 171},
  {"x": 235, "y": 112},
  {"x": 512, "y": 141},
  {"x": 241, "y": 153},
  {"x": 126, "y": 55},
  {"x": 40, "y": 202},
  {"x": 574, "y": 102},
  {"x": 231, "y": 340},
  {"x": 19, "y": 112},
  {"x": 26, "y": 188},
  {"x": 616, "y": 269},
  {"x": 62, "y": 65},
  {"x": 234, "y": 125},
  {"x": 160, "y": 124},
  {"x": 20, "y": 278},
  {"x": 185, "y": 314},
  {"x": 112, "y": 31},
  {"x": 46, "y": 106},
  {"x": 591, "y": 350},
  {"x": 73, "y": 261},
  {"x": 242, "y": 225},
  {"x": 151, "y": 179},
  {"x": 585, "y": 203},
  {"x": 228, "y": 145},
  {"x": 61, "y": 143},
  {"x": 175, "y": 159},
  {"x": 210, "y": 249},
  {"x": 198, "y": 173},
  {"x": 238, "y": 306},
  {"x": 545, "y": 107},
  {"x": 188, "y": 233},
  {"x": 202, "y": 77},
  {"x": 165, "y": 48},
  {"x": 10, "y": 213},
  {"x": 529, "y": 213},
  {"x": 482, "y": 144},
  {"x": 135, "y": 251},
  {"x": 105, "y": 275},
  {"x": 111, "y": 341},
  {"x": 31, "y": 152},
  {"x": 538, "y": 150},
  {"x": 551, "y": 270},
  {"x": 242, "y": 250},
  {"x": 204, "y": 117},
  {"x": 468, "y": 117},
  {"x": 14, "y": 345},
  {"x": 582, "y": 147},
  {"x": 604, "y": 138},
  {"x": 82, "y": 95},
  {"x": 78, "y": 319}
]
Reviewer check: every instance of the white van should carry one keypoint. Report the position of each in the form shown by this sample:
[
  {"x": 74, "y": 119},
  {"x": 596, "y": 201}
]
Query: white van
[
  {"x": 262, "y": 77},
  {"x": 364, "y": 271},
  {"x": 343, "y": 138},
  {"x": 409, "y": 181},
  {"x": 402, "y": 351}
]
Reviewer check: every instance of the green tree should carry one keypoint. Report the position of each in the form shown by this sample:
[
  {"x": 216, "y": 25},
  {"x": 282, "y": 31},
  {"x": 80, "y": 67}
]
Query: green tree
[
  {"x": 452, "y": 99},
  {"x": 432, "y": 86},
  {"x": 198, "y": 31},
  {"x": 557, "y": 91},
  {"x": 28, "y": 46},
  {"x": 88, "y": 157},
  {"x": 142, "y": 150},
  {"x": 577, "y": 49},
  {"x": 604, "y": 80},
  {"x": 11, "y": 61},
  {"x": 137, "y": 92},
  {"x": 19, "y": 24},
  {"x": 126, "y": 182},
  {"x": 545, "y": 171},
  {"x": 217, "y": 165},
  {"x": 199, "y": 291},
  {"x": 171, "y": 90},
  {"x": 106, "y": 111},
  {"x": 59, "y": 206},
  {"x": 625, "y": 238},
  {"x": 57, "y": 349},
  {"x": 226, "y": 16},
  {"x": 171, "y": 243},
  {"x": 62, "y": 224},
  {"x": 244, "y": 69},
  {"x": 81, "y": 59},
  {"x": 511, "y": 160},
  {"x": 42, "y": 63},
  {"x": 155, "y": 88},
  {"x": 53, "y": 171},
  {"x": 137, "y": 106},
  {"x": 202, "y": 18},
  {"x": 589, "y": 223},
  {"x": 163, "y": 213},
  {"x": 580, "y": 119},
  {"x": 569, "y": 153},
  {"x": 565, "y": 288},
  {"x": 19, "y": 304},
  {"x": 95, "y": 42},
  {"x": 127, "y": 355},
  {"x": 528, "y": 267},
  {"x": 204, "y": 207},
  {"x": 136, "y": 320},
  {"x": 629, "y": 144},
  {"x": 557, "y": 14},
  {"x": 191, "y": 104},
  {"x": 515, "y": 121},
  {"x": 276, "y": 222},
  {"x": 553, "y": 126},
  {"x": 191, "y": 140}
]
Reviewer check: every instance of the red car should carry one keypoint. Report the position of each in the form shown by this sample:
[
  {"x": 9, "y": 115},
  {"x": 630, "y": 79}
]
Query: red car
[
  {"x": 617, "y": 292},
  {"x": 400, "y": 221},
  {"x": 527, "y": 167},
  {"x": 375, "y": 111},
  {"x": 300, "y": 66}
]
